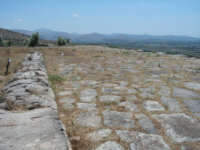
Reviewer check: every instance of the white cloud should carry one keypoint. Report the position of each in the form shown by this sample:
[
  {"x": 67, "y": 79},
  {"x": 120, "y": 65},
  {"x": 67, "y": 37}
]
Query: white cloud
[{"x": 75, "y": 15}]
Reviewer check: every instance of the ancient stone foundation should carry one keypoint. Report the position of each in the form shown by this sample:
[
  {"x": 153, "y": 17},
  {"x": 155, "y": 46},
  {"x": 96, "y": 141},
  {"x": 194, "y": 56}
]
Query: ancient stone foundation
[{"x": 29, "y": 120}]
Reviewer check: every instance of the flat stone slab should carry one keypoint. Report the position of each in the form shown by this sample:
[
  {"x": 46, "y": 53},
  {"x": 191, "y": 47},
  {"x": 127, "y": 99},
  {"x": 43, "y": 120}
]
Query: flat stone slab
[
  {"x": 129, "y": 106},
  {"x": 35, "y": 125},
  {"x": 109, "y": 98},
  {"x": 88, "y": 95},
  {"x": 88, "y": 119},
  {"x": 164, "y": 91},
  {"x": 118, "y": 119},
  {"x": 146, "y": 123},
  {"x": 192, "y": 85},
  {"x": 153, "y": 106},
  {"x": 193, "y": 105},
  {"x": 171, "y": 103},
  {"x": 185, "y": 94},
  {"x": 141, "y": 141},
  {"x": 65, "y": 93},
  {"x": 32, "y": 130},
  {"x": 99, "y": 135},
  {"x": 148, "y": 92},
  {"x": 67, "y": 106},
  {"x": 180, "y": 127},
  {"x": 67, "y": 100},
  {"x": 86, "y": 106},
  {"x": 110, "y": 145}
]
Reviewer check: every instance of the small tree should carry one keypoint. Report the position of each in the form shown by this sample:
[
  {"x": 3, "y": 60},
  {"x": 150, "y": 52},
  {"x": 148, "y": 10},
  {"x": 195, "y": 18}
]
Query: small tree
[
  {"x": 1, "y": 42},
  {"x": 68, "y": 41},
  {"x": 34, "y": 41},
  {"x": 8, "y": 43},
  {"x": 61, "y": 41}
]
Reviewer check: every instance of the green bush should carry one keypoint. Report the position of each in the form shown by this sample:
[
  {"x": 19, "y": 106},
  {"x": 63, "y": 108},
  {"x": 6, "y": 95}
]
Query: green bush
[
  {"x": 1, "y": 42},
  {"x": 8, "y": 43},
  {"x": 55, "y": 79},
  {"x": 34, "y": 41},
  {"x": 62, "y": 42}
]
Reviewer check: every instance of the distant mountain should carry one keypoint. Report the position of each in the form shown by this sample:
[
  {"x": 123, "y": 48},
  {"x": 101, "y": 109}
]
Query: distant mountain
[
  {"x": 15, "y": 37},
  {"x": 26, "y": 32},
  {"x": 108, "y": 38}
]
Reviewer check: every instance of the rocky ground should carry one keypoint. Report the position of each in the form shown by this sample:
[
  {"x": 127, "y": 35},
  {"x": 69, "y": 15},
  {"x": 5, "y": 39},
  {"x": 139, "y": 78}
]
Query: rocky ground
[
  {"x": 28, "y": 113},
  {"x": 113, "y": 99},
  {"x": 116, "y": 99}
]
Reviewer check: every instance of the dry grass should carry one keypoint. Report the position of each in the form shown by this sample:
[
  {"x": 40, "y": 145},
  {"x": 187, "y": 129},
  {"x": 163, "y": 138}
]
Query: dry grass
[{"x": 90, "y": 56}]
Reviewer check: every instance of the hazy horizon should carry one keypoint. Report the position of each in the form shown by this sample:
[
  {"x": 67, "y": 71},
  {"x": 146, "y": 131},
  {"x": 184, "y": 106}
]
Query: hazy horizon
[{"x": 155, "y": 17}]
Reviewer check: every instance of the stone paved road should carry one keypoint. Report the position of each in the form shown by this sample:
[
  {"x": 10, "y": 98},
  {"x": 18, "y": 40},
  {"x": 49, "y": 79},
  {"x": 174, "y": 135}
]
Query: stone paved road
[{"x": 131, "y": 100}]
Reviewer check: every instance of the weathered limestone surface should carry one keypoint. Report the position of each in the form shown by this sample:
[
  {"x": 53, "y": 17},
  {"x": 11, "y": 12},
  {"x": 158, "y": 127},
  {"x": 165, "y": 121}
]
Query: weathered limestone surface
[
  {"x": 128, "y": 100},
  {"x": 33, "y": 123},
  {"x": 180, "y": 127},
  {"x": 141, "y": 141}
]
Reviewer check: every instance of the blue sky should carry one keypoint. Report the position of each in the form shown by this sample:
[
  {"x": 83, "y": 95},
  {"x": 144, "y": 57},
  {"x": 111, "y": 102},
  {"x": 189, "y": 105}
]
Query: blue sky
[{"x": 156, "y": 17}]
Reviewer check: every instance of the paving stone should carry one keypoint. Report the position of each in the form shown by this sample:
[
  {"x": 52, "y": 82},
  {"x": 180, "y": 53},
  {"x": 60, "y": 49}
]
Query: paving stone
[
  {"x": 88, "y": 119},
  {"x": 88, "y": 95},
  {"x": 91, "y": 83},
  {"x": 67, "y": 106},
  {"x": 171, "y": 103},
  {"x": 67, "y": 100},
  {"x": 164, "y": 91},
  {"x": 65, "y": 93},
  {"x": 118, "y": 119},
  {"x": 193, "y": 105},
  {"x": 123, "y": 83},
  {"x": 109, "y": 85},
  {"x": 141, "y": 141},
  {"x": 86, "y": 106},
  {"x": 110, "y": 145},
  {"x": 192, "y": 85},
  {"x": 99, "y": 135},
  {"x": 131, "y": 91},
  {"x": 108, "y": 90},
  {"x": 185, "y": 94},
  {"x": 131, "y": 98},
  {"x": 32, "y": 130},
  {"x": 180, "y": 127},
  {"x": 148, "y": 92},
  {"x": 109, "y": 98},
  {"x": 146, "y": 123},
  {"x": 76, "y": 85},
  {"x": 129, "y": 106},
  {"x": 153, "y": 106}
]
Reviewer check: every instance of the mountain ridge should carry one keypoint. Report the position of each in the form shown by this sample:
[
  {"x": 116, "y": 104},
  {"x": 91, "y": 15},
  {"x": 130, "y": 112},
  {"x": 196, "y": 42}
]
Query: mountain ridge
[{"x": 49, "y": 34}]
